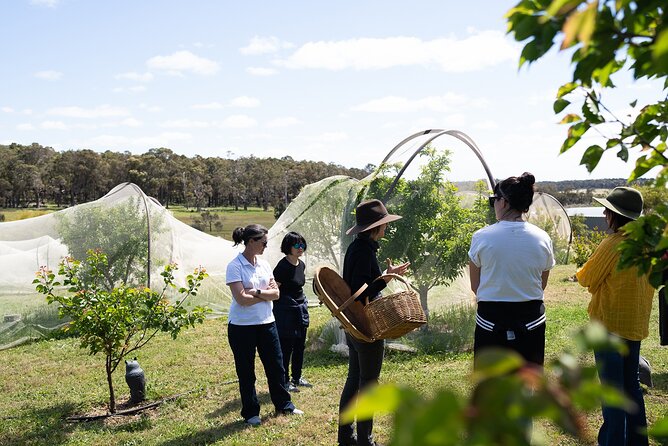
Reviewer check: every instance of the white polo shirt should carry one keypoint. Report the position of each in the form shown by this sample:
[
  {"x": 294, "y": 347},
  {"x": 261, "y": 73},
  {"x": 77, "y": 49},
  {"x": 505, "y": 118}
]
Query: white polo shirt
[{"x": 251, "y": 276}]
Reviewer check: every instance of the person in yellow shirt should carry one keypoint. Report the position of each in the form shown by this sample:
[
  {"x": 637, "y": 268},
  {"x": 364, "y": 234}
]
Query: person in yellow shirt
[{"x": 622, "y": 301}]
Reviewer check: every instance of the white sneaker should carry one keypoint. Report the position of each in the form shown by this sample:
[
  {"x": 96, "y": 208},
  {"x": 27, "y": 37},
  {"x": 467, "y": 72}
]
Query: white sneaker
[
  {"x": 296, "y": 411},
  {"x": 254, "y": 421}
]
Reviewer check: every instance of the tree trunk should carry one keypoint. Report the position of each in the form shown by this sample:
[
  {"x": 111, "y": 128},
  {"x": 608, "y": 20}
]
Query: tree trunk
[
  {"x": 112, "y": 398},
  {"x": 423, "y": 300}
]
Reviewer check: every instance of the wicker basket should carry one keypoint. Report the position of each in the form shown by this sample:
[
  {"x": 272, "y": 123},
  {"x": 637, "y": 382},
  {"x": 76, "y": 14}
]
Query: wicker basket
[
  {"x": 335, "y": 293},
  {"x": 390, "y": 316},
  {"x": 394, "y": 315}
]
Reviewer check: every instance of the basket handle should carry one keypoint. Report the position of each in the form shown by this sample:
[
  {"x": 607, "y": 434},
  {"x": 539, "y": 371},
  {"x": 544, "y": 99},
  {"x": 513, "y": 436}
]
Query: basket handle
[
  {"x": 395, "y": 276},
  {"x": 350, "y": 300}
]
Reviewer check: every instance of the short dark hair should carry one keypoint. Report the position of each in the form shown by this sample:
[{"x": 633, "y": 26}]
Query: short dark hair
[
  {"x": 517, "y": 191},
  {"x": 290, "y": 239},
  {"x": 242, "y": 235},
  {"x": 617, "y": 220}
]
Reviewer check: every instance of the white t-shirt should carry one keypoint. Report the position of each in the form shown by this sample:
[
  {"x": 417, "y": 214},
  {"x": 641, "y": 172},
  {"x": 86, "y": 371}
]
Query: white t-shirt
[
  {"x": 251, "y": 276},
  {"x": 512, "y": 257}
]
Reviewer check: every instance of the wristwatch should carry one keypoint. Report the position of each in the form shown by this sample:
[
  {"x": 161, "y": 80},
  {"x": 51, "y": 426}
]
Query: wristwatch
[{"x": 259, "y": 291}]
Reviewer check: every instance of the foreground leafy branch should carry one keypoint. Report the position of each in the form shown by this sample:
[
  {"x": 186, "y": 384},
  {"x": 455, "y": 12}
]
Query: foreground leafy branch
[
  {"x": 607, "y": 37},
  {"x": 121, "y": 320},
  {"x": 507, "y": 395}
]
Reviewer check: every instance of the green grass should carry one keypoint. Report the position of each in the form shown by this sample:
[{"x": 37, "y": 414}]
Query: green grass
[
  {"x": 229, "y": 218},
  {"x": 43, "y": 382}
]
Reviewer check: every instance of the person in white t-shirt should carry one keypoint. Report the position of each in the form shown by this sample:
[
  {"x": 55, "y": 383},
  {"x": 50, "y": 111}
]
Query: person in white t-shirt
[
  {"x": 510, "y": 262},
  {"x": 252, "y": 327}
]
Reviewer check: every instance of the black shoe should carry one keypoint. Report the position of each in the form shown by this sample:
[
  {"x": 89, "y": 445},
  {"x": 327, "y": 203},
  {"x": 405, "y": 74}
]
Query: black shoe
[{"x": 292, "y": 388}]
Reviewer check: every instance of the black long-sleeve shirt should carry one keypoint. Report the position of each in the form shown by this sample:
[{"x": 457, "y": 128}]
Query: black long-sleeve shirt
[{"x": 360, "y": 266}]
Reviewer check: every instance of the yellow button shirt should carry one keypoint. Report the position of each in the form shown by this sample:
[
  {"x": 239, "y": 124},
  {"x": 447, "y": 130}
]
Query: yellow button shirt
[{"x": 620, "y": 299}]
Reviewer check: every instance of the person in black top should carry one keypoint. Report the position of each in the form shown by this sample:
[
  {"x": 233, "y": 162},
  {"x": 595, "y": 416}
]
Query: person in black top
[
  {"x": 360, "y": 266},
  {"x": 291, "y": 309}
]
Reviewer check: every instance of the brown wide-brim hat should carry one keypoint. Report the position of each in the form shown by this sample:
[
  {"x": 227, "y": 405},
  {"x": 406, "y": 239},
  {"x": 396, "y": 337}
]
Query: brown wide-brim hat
[
  {"x": 370, "y": 214},
  {"x": 625, "y": 201}
]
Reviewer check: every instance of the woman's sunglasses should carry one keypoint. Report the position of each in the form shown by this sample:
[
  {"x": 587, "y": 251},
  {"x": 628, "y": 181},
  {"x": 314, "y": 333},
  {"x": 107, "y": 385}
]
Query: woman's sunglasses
[
  {"x": 299, "y": 246},
  {"x": 492, "y": 199},
  {"x": 263, "y": 243}
]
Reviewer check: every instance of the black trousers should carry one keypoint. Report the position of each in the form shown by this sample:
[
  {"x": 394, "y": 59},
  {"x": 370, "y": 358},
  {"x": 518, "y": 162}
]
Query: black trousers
[
  {"x": 364, "y": 364},
  {"x": 509, "y": 320},
  {"x": 244, "y": 341},
  {"x": 293, "y": 352}
]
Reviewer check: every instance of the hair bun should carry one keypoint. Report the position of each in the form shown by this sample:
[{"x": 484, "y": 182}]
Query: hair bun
[{"x": 527, "y": 178}]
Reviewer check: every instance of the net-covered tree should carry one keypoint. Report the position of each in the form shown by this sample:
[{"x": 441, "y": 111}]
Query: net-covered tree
[
  {"x": 435, "y": 231},
  {"x": 120, "y": 231}
]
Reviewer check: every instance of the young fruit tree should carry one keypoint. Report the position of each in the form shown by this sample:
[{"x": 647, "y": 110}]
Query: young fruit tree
[{"x": 121, "y": 320}]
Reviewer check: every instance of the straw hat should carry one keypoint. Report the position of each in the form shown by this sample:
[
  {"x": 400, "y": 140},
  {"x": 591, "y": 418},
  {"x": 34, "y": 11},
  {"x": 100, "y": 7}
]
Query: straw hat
[
  {"x": 625, "y": 201},
  {"x": 370, "y": 214}
]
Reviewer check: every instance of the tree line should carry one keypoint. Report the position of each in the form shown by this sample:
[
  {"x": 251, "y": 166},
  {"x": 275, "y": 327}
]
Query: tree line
[{"x": 32, "y": 175}]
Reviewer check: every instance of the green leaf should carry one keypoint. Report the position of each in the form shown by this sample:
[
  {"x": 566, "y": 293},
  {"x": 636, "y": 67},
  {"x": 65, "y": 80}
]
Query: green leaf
[
  {"x": 659, "y": 428},
  {"x": 383, "y": 398},
  {"x": 592, "y": 156},
  {"x": 566, "y": 88},
  {"x": 561, "y": 7},
  {"x": 496, "y": 362},
  {"x": 660, "y": 52},
  {"x": 575, "y": 132},
  {"x": 570, "y": 118},
  {"x": 560, "y": 105}
]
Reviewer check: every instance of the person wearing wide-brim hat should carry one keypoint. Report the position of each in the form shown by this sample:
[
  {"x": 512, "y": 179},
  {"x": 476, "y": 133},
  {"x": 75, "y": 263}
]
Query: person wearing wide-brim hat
[
  {"x": 622, "y": 301},
  {"x": 360, "y": 266}
]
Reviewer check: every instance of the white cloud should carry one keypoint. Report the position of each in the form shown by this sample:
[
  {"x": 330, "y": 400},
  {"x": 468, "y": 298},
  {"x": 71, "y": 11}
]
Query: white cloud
[
  {"x": 53, "y": 125},
  {"x": 239, "y": 122},
  {"x": 102, "y": 111},
  {"x": 7, "y": 109},
  {"x": 48, "y": 75},
  {"x": 134, "y": 89},
  {"x": 27, "y": 111},
  {"x": 329, "y": 137},
  {"x": 131, "y": 122},
  {"x": 183, "y": 61},
  {"x": 284, "y": 122},
  {"x": 209, "y": 106},
  {"x": 133, "y": 76},
  {"x": 185, "y": 124},
  {"x": 47, "y": 3},
  {"x": 475, "y": 52},
  {"x": 395, "y": 104},
  {"x": 245, "y": 102},
  {"x": 264, "y": 45},
  {"x": 25, "y": 126},
  {"x": 260, "y": 71},
  {"x": 150, "y": 108}
]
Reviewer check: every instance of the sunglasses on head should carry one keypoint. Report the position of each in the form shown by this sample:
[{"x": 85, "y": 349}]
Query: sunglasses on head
[{"x": 299, "y": 246}]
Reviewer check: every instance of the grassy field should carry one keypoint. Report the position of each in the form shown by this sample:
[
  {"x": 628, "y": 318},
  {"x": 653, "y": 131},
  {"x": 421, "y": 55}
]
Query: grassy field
[{"x": 44, "y": 382}]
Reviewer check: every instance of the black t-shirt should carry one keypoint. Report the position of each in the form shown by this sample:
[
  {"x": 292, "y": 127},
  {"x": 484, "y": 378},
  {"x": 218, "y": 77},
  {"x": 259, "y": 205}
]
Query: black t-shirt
[
  {"x": 292, "y": 279},
  {"x": 360, "y": 266}
]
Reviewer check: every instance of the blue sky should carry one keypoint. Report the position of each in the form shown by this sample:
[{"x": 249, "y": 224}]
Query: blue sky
[{"x": 336, "y": 81}]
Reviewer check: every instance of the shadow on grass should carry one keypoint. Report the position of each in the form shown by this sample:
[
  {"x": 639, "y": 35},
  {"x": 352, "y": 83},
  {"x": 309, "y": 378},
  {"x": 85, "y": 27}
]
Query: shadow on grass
[
  {"x": 217, "y": 433},
  {"x": 44, "y": 426},
  {"x": 660, "y": 381}
]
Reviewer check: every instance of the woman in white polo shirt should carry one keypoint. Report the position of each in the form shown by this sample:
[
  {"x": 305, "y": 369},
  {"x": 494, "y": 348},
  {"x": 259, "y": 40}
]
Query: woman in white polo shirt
[
  {"x": 510, "y": 262},
  {"x": 251, "y": 324}
]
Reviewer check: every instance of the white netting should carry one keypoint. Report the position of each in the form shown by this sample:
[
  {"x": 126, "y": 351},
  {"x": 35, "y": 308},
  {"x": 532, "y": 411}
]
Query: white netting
[{"x": 117, "y": 225}]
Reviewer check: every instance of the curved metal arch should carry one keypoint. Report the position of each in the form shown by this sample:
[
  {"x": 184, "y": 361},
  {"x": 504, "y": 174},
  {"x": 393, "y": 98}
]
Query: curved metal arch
[{"x": 454, "y": 133}]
